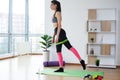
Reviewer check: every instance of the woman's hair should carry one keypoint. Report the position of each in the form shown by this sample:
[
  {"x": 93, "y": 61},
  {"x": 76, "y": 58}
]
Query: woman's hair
[{"x": 55, "y": 2}]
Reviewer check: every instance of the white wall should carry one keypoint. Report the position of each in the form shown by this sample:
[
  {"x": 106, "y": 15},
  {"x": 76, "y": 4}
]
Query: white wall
[{"x": 74, "y": 13}]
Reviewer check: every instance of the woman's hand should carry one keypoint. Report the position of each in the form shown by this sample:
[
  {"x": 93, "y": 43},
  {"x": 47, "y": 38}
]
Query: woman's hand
[
  {"x": 56, "y": 40},
  {"x": 53, "y": 39}
]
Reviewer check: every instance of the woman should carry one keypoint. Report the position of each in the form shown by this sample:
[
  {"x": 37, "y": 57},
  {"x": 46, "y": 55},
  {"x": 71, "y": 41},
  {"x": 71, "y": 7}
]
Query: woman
[{"x": 60, "y": 36}]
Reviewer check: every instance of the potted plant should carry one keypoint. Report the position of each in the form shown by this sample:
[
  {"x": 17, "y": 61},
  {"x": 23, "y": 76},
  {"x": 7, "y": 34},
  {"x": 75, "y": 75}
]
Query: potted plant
[
  {"x": 97, "y": 62},
  {"x": 45, "y": 44}
]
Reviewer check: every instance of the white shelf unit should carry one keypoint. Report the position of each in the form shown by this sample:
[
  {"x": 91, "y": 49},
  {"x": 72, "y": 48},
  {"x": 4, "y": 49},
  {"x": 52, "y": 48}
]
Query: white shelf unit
[
  {"x": 101, "y": 28},
  {"x": 96, "y": 26},
  {"x": 102, "y": 66}
]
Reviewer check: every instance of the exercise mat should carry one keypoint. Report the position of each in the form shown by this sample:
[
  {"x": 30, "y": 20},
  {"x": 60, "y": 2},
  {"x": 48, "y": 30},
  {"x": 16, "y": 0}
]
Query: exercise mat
[{"x": 70, "y": 73}]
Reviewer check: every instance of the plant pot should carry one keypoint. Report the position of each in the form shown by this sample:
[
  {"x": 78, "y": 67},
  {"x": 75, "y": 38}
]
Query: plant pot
[
  {"x": 97, "y": 62},
  {"x": 92, "y": 40},
  {"x": 46, "y": 56}
]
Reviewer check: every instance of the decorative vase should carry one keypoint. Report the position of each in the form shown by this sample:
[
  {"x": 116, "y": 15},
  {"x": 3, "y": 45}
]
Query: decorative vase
[
  {"x": 46, "y": 56},
  {"x": 92, "y": 51}
]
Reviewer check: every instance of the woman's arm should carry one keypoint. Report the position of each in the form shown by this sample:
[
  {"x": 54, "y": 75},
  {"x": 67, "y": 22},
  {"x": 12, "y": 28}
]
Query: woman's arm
[
  {"x": 59, "y": 19},
  {"x": 53, "y": 38}
]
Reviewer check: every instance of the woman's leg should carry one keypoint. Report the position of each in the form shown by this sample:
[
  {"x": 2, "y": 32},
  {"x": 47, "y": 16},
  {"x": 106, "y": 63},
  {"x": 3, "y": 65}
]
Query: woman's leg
[
  {"x": 75, "y": 52},
  {"x": 60, "y": 58},
  {"x": 59, "y": 54}
]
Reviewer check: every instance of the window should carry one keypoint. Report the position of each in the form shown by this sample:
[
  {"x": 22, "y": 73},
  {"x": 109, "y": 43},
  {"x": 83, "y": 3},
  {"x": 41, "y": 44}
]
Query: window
[
  {"x": 4, "y": 15},
  {"x": 35, "y": 43},
  {"x": 4, "y": 26},
  {"x": 3, "y": 22},
  {"x": 27, "y": 19},
  {"x": 36, "y": 22},
  {"x": 3, "y": 45},
  {"x": 36, "y": 16},
  {"x": 18, "y": 17}
]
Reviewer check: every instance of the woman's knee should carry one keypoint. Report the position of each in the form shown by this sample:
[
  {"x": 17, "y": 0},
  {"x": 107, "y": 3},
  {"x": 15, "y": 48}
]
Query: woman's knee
[
  {"x": 68, "y": 45},
  {"x": 58, "y": 48}
]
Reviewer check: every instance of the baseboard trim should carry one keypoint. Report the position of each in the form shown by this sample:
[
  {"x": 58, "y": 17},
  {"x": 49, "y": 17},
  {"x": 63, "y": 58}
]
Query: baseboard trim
[
  {"x": 35, "y": 54},
  {"x": 118, "y": 66},
  {"x": 4, "y": 58},
  {"x": 74, "y": 64},
  {"x": 9, "y": 57}
]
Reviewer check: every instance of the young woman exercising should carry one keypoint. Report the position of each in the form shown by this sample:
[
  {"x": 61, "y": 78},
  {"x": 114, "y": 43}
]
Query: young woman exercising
[{"x": 60, "y": 36}]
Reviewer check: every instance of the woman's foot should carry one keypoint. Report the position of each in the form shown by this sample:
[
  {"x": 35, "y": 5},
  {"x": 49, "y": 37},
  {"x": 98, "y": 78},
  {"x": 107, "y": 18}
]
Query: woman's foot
[
  {"x": 83, "y": 64},
  {"x": 59, "y": 70}
]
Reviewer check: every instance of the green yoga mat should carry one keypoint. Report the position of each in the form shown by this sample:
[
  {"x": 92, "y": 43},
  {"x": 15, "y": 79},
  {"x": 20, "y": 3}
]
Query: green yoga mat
[{"x": 70, "y": 73}]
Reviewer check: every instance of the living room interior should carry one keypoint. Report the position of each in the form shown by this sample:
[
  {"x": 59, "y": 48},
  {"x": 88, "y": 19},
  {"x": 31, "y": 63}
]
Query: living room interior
[{"x": 91, "y": 26}]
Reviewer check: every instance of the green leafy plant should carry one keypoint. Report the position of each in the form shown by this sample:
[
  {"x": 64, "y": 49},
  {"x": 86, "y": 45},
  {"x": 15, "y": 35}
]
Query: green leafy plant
[
  {"x": 46, "y": 42},
  {"x": 97, "y": 62}
]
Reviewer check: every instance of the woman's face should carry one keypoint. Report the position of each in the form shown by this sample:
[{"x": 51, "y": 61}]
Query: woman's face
[{"x": 53, "y": 6}]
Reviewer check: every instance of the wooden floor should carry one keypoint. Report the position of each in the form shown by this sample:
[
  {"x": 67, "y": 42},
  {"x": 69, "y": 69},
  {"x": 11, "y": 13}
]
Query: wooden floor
[{"x": 25, "y": 68}]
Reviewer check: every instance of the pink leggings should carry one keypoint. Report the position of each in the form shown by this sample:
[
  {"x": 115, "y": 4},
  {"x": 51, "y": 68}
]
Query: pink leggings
[{"x": 60, "y": 57}]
